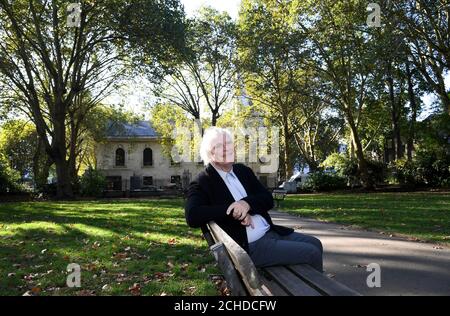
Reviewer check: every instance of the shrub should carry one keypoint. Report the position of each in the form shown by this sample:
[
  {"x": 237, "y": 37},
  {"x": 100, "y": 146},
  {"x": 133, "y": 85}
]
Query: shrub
[
  {"x": 9, "y": 179},
  {"x": 405, "y": 172},
  {"x": 377, "y": 170},
  {"x": 321, "y": 181},
  {"x": 344, "y": 166},
  {"x": 426, "y": 169},
  {"x": 92, "y": 183},
  {"x": 433, "y": 168}
]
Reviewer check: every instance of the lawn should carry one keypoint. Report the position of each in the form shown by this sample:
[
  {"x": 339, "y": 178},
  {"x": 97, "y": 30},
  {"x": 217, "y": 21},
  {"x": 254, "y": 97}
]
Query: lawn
[
  {"x": 123, "y": 248},
  {"x": 425, "y": 216}
]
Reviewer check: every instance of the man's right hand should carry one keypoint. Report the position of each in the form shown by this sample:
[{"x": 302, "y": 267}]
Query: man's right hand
[{"x": 247, "y": 221}]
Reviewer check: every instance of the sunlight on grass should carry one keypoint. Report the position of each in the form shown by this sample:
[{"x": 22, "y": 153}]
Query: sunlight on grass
[
  {"x": 123, "y": 247},
  {"x": 421, "y": 215}
]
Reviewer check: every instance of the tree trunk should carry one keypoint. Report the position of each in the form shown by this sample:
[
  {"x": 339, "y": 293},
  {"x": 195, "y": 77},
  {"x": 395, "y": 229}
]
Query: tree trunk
[
  {"x": 288, "y": 169},
  {"x": 214, "y": 119},
  {"x": 395, "y": 117},
  {"x": 412, "y": 123},
  {"x": 41, "y": 167},
  {"x": 59, "y": 151},
  {"x": 362, "y": 163},
  {"x": 64, "y": 184}
]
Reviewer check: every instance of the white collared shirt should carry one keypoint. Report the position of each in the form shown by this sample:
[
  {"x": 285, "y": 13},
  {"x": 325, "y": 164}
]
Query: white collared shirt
[{"x": 238, "y": 192}]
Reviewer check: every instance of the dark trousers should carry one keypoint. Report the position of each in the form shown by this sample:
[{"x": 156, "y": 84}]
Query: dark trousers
[{"x": 273, "y": 249}]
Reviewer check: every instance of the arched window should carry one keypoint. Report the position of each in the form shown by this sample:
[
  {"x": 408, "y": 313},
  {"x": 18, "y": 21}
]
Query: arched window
[
  {"x": 148, "y": 157},
  {"x": 120, "y": 157}
]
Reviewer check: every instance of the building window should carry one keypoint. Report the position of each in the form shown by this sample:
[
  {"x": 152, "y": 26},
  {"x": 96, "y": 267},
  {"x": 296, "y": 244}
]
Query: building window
[
  {"x": 120, "y": 157},
  {"x": 175, "y": 179},
  {"x": 114, "y": 183},
  {"x": 148, "y": 181},
  {"x": 148, "y": 157}
]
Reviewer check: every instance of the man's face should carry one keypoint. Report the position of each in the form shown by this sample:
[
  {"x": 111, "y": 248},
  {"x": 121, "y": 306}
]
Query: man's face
[{"x": 223, "y": 149}]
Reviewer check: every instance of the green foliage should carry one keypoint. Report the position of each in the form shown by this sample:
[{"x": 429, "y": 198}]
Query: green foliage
[
  {"x": 155, "y": 33},
  {"x": 426, "y": 169},
  {"x": 431, "y": 164},
  {"x": 18, "y": 142},
  {"x": 321, "y": 181},
  {"x": 92, "y": 183},
  {"x": 343, "y": 166},
  {"x": 377, "y": 171},
  {"x": 9, "y": 178},
  {"x": 176, "y": 129},
  {"x": 405, "y": 172}
]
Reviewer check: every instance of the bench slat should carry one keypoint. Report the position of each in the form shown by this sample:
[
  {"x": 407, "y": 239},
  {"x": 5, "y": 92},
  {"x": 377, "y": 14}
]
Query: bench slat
[
  {"x": 275, "y": 289},
  {"x": 321, "y": 282},
  {"x": 290, "y": 282}
]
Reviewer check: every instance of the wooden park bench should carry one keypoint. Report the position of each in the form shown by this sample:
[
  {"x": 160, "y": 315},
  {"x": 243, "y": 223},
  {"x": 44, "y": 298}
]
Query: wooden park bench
[{"x": 243, "y": 278}]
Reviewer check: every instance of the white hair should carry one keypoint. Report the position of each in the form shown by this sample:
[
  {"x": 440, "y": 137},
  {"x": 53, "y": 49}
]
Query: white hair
[{"x": 206, "y": 146}]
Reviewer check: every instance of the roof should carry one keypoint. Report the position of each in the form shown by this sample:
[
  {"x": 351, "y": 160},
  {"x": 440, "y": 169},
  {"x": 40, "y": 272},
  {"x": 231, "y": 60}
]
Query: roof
[{"x": 140, "y": 129}]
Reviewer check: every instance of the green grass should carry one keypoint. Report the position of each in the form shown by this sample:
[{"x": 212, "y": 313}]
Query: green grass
[
  {"x": 425, "y": 216},
  {"x": 123, "y": 248}
]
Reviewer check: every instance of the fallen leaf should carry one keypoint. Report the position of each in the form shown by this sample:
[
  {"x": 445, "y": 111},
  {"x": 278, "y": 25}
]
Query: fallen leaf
[
  {"x": 161, "y": 276},
  {"x": 120, "y": 255},
  {"x": 90, "y": 266},
  {"x": 184, "y": 266},
  {"x": 85, "y": 293},
  {"x": 360, "y": 266},
  {"x": 36, "y": 290},
  {"x": 190, "y": 290},
  {"x": 135, "y": 289},
  {"x": 172, "y": 241}
]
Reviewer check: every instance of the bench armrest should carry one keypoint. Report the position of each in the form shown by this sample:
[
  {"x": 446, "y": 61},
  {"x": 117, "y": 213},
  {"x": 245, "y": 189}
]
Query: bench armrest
[{"x": 241, "y": 260}]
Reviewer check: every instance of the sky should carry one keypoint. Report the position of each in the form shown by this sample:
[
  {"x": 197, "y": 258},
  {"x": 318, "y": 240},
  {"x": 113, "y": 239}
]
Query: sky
[{"x": 231, "y": 6}]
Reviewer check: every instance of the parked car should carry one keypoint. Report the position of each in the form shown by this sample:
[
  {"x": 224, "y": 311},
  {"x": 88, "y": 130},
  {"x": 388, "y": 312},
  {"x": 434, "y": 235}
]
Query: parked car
[{"x": 295, "y": 183}]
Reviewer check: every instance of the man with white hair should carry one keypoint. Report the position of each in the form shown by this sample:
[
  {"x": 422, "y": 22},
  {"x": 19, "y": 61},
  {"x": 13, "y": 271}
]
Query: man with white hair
[{"x": 231, "y": 195}]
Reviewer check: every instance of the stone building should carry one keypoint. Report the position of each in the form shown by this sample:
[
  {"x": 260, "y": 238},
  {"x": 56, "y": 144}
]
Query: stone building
[{"x": 132, "y": 159}]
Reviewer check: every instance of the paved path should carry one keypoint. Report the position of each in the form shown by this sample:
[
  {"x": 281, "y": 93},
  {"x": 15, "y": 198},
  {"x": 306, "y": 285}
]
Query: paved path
[{"x": 407, "y": 267}]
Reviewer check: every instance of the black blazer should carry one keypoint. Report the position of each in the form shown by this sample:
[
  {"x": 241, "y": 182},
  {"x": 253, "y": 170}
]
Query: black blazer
[{"x": 208, "y": 199}]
